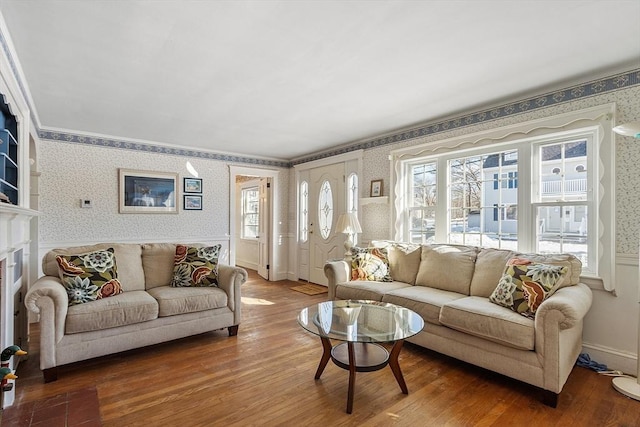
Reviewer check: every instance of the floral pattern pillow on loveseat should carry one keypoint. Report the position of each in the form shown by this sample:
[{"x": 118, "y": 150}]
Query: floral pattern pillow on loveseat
[
  {"x": 89, "y": 277},
  {"x": 526, "y": 284},
  {"x": 195, "y": 266},
  {"x": 370, "y": 264}
]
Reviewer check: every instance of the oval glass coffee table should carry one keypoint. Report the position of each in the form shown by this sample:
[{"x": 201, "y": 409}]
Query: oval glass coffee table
[{"x": 361, "y": 326}]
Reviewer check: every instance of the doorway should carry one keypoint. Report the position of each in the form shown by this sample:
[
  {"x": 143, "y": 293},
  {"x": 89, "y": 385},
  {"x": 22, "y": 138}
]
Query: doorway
[
  {"x": 324, "y": 192},
  {"x": 253, "y": 222}
]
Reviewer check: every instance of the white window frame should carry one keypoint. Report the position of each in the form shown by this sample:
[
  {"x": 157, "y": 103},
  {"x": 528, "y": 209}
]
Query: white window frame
[
  {"x": 303, "y": 215},
  {"x": 425, "y": 211},
  {"x": 503, "y": 182},
  {"x": 243, "y": 206},
  {"x": 592, "y": 192},
  {"x": 595, "y": 122}
]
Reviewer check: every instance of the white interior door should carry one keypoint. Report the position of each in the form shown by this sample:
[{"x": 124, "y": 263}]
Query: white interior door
[
  {"x": 326, "y": 202},
  {"x": 264, "y": 221}
]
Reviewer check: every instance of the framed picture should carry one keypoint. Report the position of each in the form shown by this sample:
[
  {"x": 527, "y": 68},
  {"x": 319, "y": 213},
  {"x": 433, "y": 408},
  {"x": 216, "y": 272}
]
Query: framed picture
[
  {"x": 193, "y": 185},
  {"x": 147, "y": 191},
  {"x": 192, "y": 202},
  {"x": 376, "y": 188}
]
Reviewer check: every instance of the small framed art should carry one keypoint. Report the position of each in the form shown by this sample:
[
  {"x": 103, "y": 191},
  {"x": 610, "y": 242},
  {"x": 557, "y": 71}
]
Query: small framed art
[
  {"x": 193, "y": 185},
  {"x": 192, "y": 202},
  {"x": 376, "y": 188}
]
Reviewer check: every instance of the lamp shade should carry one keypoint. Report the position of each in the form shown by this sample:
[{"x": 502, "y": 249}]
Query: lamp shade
[
  {"x": 348, "y": 223},
  {"x": 629, "y": 129}
]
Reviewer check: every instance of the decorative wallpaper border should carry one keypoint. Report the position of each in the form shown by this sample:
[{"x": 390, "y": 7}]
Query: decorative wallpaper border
[
  {"x": 158, "y": 149},
  {"x": 584, "y": 90}
]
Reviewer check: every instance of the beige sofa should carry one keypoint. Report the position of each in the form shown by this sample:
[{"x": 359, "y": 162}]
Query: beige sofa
[
  {"x": 449, "y": 286},
  {"x": 147, "y": 312}
]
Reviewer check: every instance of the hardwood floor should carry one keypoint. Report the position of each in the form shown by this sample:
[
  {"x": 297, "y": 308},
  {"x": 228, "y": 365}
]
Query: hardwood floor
[{"x": 264, "y": 376}]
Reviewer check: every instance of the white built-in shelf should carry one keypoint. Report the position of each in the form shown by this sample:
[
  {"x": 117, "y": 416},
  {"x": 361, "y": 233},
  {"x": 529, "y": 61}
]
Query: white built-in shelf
[{"x": 369, "y": 200}]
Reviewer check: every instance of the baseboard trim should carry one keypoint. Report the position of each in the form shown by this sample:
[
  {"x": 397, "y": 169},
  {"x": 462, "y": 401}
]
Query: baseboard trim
[
  {"x": 246, "y": 264},
  {"x": 626, "y": 362}
]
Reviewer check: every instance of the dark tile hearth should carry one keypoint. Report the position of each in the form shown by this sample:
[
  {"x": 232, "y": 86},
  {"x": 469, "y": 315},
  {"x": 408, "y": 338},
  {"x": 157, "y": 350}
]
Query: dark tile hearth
[{"x": 77, "y": 408}]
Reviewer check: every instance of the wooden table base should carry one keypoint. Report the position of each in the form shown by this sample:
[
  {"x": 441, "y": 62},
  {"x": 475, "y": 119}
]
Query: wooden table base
[{"x": 361, "y": 357}]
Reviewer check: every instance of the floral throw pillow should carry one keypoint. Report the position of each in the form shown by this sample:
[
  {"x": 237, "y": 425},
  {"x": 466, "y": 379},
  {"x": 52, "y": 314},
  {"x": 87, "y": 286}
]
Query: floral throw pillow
[
  {"x": 89, "y": 277},
  {"x": 370, "y": 264},
  {"x": 195, "y": 266},
  {"x": 525, "y": 285}
]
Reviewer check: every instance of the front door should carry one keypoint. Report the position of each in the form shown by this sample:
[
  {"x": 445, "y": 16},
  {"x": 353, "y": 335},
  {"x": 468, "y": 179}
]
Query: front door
[{"x": 326, "y": 203}]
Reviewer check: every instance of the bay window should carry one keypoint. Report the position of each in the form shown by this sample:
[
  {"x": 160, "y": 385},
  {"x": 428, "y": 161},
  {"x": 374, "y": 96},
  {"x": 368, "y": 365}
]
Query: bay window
[{"x": 535, "y": 187}]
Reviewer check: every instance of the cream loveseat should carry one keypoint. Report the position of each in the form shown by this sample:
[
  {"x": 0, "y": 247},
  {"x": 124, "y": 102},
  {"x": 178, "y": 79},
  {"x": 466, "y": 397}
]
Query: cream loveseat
[
  {"x": 147, "y": 312},
  {"x": 450, "y": 286}
]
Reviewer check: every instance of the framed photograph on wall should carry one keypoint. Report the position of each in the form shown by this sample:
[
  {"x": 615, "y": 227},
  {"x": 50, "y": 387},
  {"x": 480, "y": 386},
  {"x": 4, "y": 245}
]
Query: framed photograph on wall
[
  {"x": 193, "y": 185},
  {"x": 147, "y": 191},
  {"x": 192, "y": 202},
  {"x": 376, "y": 188}
]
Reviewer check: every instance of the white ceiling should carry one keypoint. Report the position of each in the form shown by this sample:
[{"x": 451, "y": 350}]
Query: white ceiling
[{"x": 281, "y": 79}]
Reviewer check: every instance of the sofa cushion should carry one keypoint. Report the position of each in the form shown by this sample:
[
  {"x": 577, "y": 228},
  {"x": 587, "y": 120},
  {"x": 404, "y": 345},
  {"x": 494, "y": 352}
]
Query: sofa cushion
[
  {"x": 489, "y": 268},
  {"x": 447, "y": 267},
  {"x": 128, "y": 257},
  {"x": 89, "y": 277},
  {"x": 480, "y": 317},
  {"x": 195, "y": 266},
  {"x": 404, "y": 261},
  {"x": 157, "y": 263},
  {"x": 370, "y": 264},
  {"x": 368, "y": 290},
  {"x": 525, "y": 285},
  {"x": 124, "y": 309},
  {"x": 172, "y": 301},
  {"x": 425, "y": 301}
]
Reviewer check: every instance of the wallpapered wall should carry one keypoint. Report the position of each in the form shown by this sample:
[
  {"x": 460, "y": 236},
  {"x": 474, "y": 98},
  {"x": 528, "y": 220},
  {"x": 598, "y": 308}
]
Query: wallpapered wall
[
  {"x": 376, "y": 224},
  {"x": 70, "y": 172}
]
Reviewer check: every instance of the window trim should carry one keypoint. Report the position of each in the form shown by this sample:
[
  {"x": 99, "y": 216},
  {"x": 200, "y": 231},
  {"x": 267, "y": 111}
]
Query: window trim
[
  {"x": 598, "y": 120},
  {"x": 303, "y": 211},
  {"x": 249, "y": 186}
]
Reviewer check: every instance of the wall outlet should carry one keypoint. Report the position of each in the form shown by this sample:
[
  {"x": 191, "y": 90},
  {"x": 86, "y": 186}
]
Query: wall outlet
[{"x": 85, "y": 203}]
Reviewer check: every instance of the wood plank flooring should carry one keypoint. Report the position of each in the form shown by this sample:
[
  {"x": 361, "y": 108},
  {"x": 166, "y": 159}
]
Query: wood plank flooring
[{"x": 264, "y": 377}]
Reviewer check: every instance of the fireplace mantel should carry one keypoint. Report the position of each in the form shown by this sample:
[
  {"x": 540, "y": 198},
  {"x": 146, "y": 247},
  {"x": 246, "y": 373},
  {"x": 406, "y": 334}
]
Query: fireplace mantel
[{"x": 15, "y": 258}]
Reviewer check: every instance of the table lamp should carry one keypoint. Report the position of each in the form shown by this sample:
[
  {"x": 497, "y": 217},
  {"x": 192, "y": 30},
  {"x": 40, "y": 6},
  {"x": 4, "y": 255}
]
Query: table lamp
[{"x": 348, "y": 224}]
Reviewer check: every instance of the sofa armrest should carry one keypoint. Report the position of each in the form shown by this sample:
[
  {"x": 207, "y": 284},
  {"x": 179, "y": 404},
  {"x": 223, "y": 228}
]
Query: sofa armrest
[
  {"x": 558, "y": 329},
  {"x": 48, "y": 298},
  {"x": 336, "y": 272},
  {"x": 567, "y": 307},
  {"x": 229, "y": 280}
]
